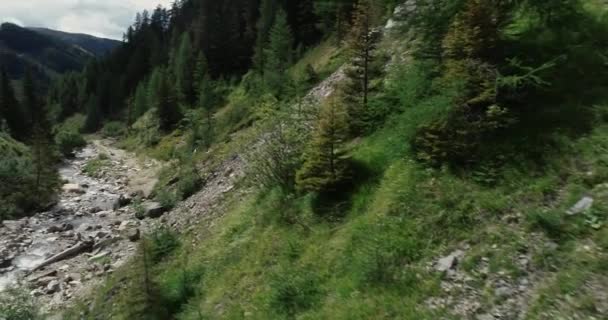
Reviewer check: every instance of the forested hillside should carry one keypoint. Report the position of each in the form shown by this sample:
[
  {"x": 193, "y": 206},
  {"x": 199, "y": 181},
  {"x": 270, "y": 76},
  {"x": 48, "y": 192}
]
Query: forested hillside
[
  {"x": 47, "y": 52},
  {"x": 364, "y": 159}
]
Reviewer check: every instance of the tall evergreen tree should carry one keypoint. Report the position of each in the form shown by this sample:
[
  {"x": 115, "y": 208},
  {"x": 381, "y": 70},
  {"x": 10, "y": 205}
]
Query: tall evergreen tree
[
  {"x": 362, "y": 42},
  {"x": 140, "y": 101},
  {"x": 168, "y": 110},
  {"x": 279, "y": 54},
  {"x": 268, "y": 9},
  {"x": 94, "y": 115},
  {"x": 183, "y": 71},
  {"x": 325, "y": 164},
  {"x": 10, "y": 110}
]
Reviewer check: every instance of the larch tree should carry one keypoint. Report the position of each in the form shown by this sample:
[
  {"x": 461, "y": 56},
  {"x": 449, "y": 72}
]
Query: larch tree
[
  {"x": 265, "y": 22},
  {"x": 10, "y": 109},
  {"x": 326, "y": 165},
  {"x": 41, "y": 142},
  {"x": 361, "y": 45},
  {"x": 182, "y": 69},
  {"x": 168, "y": 110},
  {"x": 279, "y": 54}
]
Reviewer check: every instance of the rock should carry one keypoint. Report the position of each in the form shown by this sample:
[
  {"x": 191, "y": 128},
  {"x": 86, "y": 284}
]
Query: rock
[
  {"x": 95, "y": 210},
  {"x": 449, "y": 262},
  {"x": 581, "y": 206},
  {"x": 72, "y": 188},
  {"x": 13, "y": 225},
  {"x": 503, "y": 292},
  {"x": 99, "y": 256},
  {"x": 153, "y": 210},
  {"x": 134, "y": 235},
  {"x": 44, "y": 282},
  {"x": 100, "y": 234},
  {"x": 53, "y": 287},
  {"x": 484, "y": 316}
]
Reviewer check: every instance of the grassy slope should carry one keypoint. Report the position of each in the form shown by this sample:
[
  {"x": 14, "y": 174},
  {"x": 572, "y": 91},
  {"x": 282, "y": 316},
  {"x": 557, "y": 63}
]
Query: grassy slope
[{"x": 368, "y": 256}]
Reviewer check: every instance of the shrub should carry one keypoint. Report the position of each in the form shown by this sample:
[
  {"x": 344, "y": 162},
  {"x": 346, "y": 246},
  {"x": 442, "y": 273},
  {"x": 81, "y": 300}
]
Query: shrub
[
  {"x": 68, "y": 135},
  {"x": 114, "y": 129},
  {"x": 162, "y": 243},
  {"x": 294, "y": 291},
  {"x": 17, "y": 305},
  {"x": 167, "y": 199}
]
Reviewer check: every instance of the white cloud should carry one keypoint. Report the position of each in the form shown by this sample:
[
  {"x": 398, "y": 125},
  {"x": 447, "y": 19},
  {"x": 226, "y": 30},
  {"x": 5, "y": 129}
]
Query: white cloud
[{"x": 104, "y": 18}]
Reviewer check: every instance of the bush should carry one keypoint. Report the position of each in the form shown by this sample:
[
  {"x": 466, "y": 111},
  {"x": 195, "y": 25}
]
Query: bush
[
  {"x": 167, "y": 199},
  {"x": 17, "y": 305},
  {"x": 114, "y": 129},
  {"x": 294, "y": 291},
  {"x": 68, "y": 135},
  {"x": 162, "y": 243},
  {"x": 189, "y": 181}
]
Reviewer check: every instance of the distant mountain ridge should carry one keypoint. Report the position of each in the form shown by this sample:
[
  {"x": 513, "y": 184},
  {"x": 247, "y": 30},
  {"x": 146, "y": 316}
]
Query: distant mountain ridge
[
  {"x": 95, "y": 45},
  {"x": 48, "y": 52}
]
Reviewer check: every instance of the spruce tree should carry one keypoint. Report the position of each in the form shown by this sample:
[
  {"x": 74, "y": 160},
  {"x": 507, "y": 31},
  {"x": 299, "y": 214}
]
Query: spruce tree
[
  {"x": 325, "y": 164},
  {"x": 183, "y": 71},
  {"x": 278, "y": 54},
  {"x": 94, "y": 116},
  {"x": 168, "y": 110},
  {"x": 10, "y": 109},
  {"x": 206, "y": 102},
  {"x": 268, "y": 10},
  {"x": 361, "y": 44},
  {"x": 140, "y": 101}
]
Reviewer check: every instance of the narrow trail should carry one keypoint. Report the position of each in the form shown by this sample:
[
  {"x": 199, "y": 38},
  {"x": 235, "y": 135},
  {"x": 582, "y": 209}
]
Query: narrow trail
[{"x": 91, "y": 225}]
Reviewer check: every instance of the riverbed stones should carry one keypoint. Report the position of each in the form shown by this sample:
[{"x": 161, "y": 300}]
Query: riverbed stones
[
  {"x": 134, "y": 235},
  {"x": 449, "y": 262},
  {"x": 73, "y": 188}
]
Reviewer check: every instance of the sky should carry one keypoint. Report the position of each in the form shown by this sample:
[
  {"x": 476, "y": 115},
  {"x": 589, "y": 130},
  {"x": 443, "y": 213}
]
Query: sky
[{"x": 101, "y": 18}]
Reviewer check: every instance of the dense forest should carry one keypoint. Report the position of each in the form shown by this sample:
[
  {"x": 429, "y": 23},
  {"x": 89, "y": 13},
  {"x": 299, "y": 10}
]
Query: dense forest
[{"x": 378, "y": 135}]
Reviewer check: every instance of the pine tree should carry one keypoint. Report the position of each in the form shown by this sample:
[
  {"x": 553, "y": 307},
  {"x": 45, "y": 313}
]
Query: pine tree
[
  {"x": 362, "y": 42},
  {"x": 168, "y": 110},
  {"x": 182, "y": 69},
  {"x": 140, "y": 101},
  {"x": 200, "y": 72},
  {"x": 94, "y": 116},
  {"x": 325, "y": 164},
  {"x": 278, "y": 54},
  {"x": 10, "y": 109},
  {"x": 268, "y": 10},
  {"x": 206, "y": 102}
]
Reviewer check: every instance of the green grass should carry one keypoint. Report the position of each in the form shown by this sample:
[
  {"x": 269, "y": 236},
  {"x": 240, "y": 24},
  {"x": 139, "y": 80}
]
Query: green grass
[{"x": 94, "y": 167}]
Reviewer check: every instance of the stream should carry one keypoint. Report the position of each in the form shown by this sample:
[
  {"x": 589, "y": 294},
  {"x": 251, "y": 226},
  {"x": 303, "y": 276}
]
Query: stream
[{"x": 92, "y": 210}]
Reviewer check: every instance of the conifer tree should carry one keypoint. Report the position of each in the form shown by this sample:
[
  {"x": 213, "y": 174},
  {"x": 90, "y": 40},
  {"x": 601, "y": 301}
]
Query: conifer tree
[
  {"x": 325, "y": 164},
  {"x": 201, "y": 71},
  {"x": 278, "y": 54},
  {"x": 183, "y": 71},
  {"x": 167, "y": 108},
  {"x": 94, "y": 116},
  {"x": 10, "y": 110},
  {"x": 361, "y": 44},
  {"x": 41, "y": 141},
  {"x": 265, "y": 22},
  {"x": 140, "y": 101},
  {"x": 206, "y": 102}
]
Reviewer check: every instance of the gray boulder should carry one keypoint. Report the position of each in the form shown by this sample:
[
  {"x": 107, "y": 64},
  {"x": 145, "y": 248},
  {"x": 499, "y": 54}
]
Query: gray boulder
[{"x": 153, "y": 210}]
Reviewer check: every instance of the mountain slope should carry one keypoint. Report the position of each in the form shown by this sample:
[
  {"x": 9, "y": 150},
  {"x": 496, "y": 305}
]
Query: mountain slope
[
  {"x": 94, "y": 45},
  {"x": 49, "y": 53}
]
